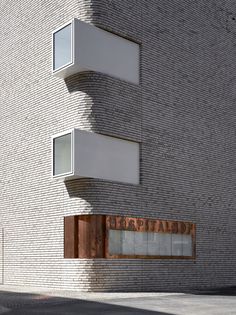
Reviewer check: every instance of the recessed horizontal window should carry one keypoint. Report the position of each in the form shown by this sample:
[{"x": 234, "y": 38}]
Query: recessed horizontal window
[
  {"x": 62, "y": 47},
  {"x": 133, "y": 243},
  {"x": 118, "y": 237}
]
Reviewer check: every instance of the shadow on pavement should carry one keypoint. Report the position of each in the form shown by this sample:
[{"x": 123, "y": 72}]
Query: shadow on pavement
[
  {"x": 32, "y": 304},
  {"x": 225, "y": 291}
]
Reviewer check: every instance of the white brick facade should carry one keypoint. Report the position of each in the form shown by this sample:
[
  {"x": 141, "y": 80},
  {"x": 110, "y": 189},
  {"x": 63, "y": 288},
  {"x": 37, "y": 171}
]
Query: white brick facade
[{"x": 183, "y": 113}]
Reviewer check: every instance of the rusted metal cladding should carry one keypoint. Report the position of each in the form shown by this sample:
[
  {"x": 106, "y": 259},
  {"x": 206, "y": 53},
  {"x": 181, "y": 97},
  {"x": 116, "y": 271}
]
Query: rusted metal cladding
[
  {"x": 71, "y": 237},
  {"x": 148, "y": 225},
  {"x": 91, "y": 235},
  {"x": 84, "y": 236}
]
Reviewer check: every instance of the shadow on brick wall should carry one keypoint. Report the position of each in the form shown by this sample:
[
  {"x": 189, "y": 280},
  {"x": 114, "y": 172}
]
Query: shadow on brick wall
[
  {"x": 107, "y": 197},
  {"x": 110, "y": 106}
]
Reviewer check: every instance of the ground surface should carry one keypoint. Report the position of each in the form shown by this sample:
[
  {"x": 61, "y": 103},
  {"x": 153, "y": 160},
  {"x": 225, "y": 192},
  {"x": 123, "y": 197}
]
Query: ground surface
[{"x": 17, "y": 301}]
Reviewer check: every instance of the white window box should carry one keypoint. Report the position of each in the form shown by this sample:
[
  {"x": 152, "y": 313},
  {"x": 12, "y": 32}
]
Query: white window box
[
  {"x": 78, "y": 153},
  {"x": 79, "y": 46}
]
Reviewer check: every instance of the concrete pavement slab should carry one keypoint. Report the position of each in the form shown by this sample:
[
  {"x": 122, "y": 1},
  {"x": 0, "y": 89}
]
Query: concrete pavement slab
[{"x": 23, "y": 301}]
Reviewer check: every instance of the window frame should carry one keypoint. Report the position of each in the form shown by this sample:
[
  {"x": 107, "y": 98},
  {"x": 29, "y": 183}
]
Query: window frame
[
  {"x": 61, "y": 134},
  {"x": 72, "y": 23},
  {"x": 144, "y": 228}
]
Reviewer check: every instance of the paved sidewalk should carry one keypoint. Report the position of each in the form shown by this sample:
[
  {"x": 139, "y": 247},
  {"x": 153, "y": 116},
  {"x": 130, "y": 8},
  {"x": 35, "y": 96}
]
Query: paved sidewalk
[{"x": 36, "y": 301}]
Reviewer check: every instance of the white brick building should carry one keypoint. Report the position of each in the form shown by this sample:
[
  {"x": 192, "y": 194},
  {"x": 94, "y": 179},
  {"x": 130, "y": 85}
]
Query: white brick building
[{"x": 175, "y": 101}]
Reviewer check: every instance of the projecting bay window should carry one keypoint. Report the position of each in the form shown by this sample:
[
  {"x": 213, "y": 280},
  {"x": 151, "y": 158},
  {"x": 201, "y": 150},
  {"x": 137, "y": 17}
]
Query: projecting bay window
[
  {"x": 80, "y": 46},
  {"x": 78, "y": 153}
]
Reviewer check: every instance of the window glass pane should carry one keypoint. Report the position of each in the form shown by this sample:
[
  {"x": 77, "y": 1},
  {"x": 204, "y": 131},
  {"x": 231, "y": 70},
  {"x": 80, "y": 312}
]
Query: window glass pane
[
  {"x": 153, "y": 244},
  {"x": 115, "y": 242},
  {"x": 62, "y": 155},
  {"x": 140, "y": 243},
  {"x": 127, "y": 243},
  {"x": 149, "y": 243},
  {"x": 177, "y": 245},
  {"x": 62, "y": 47},
  {"x": 165, "y": 244},
  {"x": 187, "y": 245}
]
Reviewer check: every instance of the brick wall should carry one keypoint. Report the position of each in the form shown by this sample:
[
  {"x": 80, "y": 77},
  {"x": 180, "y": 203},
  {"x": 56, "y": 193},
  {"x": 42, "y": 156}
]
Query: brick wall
[{"x": 182, "y": 112}]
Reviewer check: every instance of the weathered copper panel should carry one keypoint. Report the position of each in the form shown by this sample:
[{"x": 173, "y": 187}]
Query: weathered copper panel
[
  {"x": 148, "y": 225},
  {"x": 100, "y": 237},
  {"x": 93, "y": 236},
  {"x": 141, "y": 225},
  {"x": 84, "y": 236},
  {"x": 111, "y": 222},
  {"x": 71, "y": 237}
]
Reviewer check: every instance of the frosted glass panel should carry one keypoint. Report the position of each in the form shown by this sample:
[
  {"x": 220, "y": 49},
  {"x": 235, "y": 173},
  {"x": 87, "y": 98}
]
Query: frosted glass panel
[
  {"x": 115, "y": 242},
  {"x": 149, "y": 243},
  {"x": 153, "y": 244},
  {"x": 127, "y": 242},
  {"x": 177, "y": 245},
  {"x": 187, "y": 245},
  {"x": 62, "y": 47},
  {"x": 140, "y": 243},
  {"x": 62, "y": 155},
  {"x": 165, "y": 244}
]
